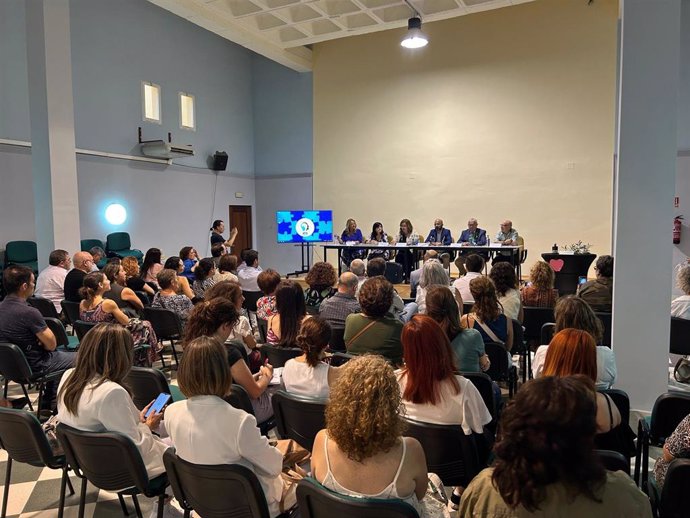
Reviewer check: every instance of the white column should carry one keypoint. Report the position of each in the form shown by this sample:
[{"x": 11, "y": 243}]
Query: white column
[
  {"x": 53, "y": 160},
  {"x": 643, "y": 198}
]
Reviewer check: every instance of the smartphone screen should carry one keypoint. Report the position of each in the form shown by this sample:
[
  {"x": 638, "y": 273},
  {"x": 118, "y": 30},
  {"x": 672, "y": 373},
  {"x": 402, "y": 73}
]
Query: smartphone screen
[
  {"x": 158, "y": 404},
  {"x": 582, "y": 279}
]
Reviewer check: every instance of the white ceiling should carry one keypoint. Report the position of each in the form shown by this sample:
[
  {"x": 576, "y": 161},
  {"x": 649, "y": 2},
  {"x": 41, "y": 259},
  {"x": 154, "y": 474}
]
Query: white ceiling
[{"x": 281, "y": 29}]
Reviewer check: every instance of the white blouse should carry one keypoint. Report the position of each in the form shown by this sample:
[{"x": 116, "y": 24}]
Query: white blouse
[
  {"x": 305, "y": 380},
  {"x": 606, "y": 365},
  {"x": 109, "y": 408},
  {"x": 242, "y": 329},
  {"x": 511, "y": 303},
  {"x": 207, "y": 430},
  {"x": 466, "y": 408}
]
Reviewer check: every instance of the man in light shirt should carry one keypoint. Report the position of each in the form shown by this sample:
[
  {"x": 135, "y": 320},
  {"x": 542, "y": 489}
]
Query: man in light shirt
[
  {"x": 474, "y": 263},
  {"x": 506, "y": 236},
  {"x": 250, "y": 272},
  {"x": 51, "y": 281}
]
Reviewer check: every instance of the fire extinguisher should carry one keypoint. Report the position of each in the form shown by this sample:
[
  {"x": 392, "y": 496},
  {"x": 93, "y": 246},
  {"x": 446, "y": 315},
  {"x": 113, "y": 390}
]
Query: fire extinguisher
[{"x": 677, "y": 226}]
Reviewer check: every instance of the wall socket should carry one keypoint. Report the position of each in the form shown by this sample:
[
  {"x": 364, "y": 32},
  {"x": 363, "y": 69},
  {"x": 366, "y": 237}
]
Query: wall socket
[{"x": 239, "y": 195}]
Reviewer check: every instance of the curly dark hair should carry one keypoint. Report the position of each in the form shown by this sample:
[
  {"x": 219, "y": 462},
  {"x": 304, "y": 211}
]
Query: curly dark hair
[
  {"x": 322, "y": 275},
  {"x": 203, "y": 269},
  {"x": 554, "y": 444},
  {"x": 503, "y": 276},
  {"x": 314, "y": 335},
  {"x": 604, "y": 266},
  {"x": 376, "y": 297},
  {"x": 207, "y": 317}
]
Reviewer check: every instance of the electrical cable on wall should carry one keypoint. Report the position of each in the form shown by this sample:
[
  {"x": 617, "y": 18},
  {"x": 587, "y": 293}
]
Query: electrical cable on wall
[{"x": 213, "y": 211}]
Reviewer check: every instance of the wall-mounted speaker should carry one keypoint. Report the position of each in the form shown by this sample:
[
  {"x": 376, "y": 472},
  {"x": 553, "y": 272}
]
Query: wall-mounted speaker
[{"x": 220, "y": 161}]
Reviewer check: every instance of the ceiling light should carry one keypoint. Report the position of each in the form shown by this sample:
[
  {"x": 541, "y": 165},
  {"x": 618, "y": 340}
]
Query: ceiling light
[{"x": 414, "y": 38}]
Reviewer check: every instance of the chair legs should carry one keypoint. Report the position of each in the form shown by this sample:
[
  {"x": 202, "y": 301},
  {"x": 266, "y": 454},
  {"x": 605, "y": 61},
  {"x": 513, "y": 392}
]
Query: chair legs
[
  {"x": 6, "y": 492},
  {"x": 161, "y": 505},
  {"x": 26, "y": 394},
  {"x": 136, "y": 506},
  {"x": 63, "y": 487},
  {"x": 82, "y": 498},
  {"x": 123, "y": 504}
]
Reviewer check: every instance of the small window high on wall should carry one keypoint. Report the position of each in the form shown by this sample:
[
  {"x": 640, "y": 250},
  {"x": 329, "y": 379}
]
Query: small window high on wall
[
  {"x": 151, "y": 101},
  {"x": 187, "y": 111}
]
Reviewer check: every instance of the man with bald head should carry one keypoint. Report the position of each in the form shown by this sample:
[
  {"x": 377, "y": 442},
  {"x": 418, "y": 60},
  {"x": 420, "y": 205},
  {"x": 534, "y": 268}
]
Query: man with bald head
[
  {"x": 82, "y": 263},
  {"x": 506, "y": 236},
  {"x": 439, "y": 235},
  {"x": 335, "y": 309}
]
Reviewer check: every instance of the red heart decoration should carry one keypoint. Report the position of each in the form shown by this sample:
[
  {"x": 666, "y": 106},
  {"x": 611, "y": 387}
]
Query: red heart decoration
[{"x": 556, "y": 264}]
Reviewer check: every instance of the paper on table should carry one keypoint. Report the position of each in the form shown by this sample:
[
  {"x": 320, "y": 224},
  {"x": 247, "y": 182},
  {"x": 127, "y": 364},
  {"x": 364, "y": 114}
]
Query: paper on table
[{"x": 401, "y": 244}]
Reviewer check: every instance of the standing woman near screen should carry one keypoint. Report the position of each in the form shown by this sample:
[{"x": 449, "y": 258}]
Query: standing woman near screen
[
  {"x": 404, "y": 257},
  {"x": 216, "y": 234},
  {"x": 352, "y": 234}
]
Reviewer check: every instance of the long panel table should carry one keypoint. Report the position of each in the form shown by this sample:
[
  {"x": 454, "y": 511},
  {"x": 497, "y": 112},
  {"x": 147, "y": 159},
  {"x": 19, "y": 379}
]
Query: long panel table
[{"x": 514, "y": 249}]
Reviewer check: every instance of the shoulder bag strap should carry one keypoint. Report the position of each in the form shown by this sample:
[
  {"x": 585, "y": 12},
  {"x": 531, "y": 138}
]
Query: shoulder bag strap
[
  {"x": 360, "y": 333},
  {"x": 488, "y": 331}
]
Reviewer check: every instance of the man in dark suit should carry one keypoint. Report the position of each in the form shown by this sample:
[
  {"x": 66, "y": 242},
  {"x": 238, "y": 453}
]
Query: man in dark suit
[
  {"x": 472, "y": 236},
  {"x": 441, "y": 236}
]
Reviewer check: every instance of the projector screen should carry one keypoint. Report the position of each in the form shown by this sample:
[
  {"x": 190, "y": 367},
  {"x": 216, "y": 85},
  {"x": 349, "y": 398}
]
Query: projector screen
[{"x": 304, "y": 226}]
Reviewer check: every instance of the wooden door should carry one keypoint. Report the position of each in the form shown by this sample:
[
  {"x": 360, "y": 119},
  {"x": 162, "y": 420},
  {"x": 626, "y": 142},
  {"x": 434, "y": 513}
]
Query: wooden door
[{"x": 241, "y": 217}]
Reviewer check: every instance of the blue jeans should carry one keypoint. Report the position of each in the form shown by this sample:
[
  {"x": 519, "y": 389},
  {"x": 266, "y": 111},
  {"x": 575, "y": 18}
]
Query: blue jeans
[{"x": 57, "y": 361}]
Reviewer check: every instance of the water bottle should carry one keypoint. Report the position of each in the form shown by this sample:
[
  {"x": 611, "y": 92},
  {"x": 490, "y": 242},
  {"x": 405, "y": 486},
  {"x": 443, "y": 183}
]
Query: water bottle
[{"x": 554, "y": 248}]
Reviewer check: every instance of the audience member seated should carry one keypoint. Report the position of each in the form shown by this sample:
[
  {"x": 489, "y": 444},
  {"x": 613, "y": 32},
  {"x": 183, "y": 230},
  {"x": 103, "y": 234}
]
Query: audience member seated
[
  {"x": 503, "y": 276},
  {"x": 97, "y": 253},
  {"x": 545, "y": 462},
  {"x": 487, "y": 316},
  {"x": 203, "y": 277},
  {"x": 362, "y": 452},
  {"x": 352, "y": 234},
  {"x": 308, "y": 375},
  {"x": 358, "y": 267},
  {"x": 433, "y": 274},
  {"x": 474, "y": 265},
  {"x": 404, "y": 257},
  {"x": 51, "y": 281},
  {"x": 571, "y": 352},
  {"x": 124, "y": 297},
  {"x": 74, "y": 279},
  {"x": 217, "y": 318},
  {"x": 24, "y": 326},
  {"x": 291, "y": 310},
  {"x": 242, "y": 332},
  {"x": 224, "y": 268},
  {"x": 217, "y": 251},
  {"x": 320, "y": 281},
  {"x": 94, "y": 308},
  {"x": 94, "y": 397},
  {"x": 431, "y": 391},
  {"x": 680, "y": 307},
  {"x": 335, "y": 309},
  {"x": 599, "y": 292},
  {"x": 416, "y": 274},
  {"x": 676, "y": 446},
  {"x": 506, "y": 236},
  {"x": 206, "y": 430},
  {"x": 540, "y": 293},
  {"x": 151, "y": 266},
  {"x": 472, "y": 236},
  {"x": 168, "y": 296},
  {"x": 184, "y": 288},
  {"x": 249, "y": 274},
  {"x": 378, "y": 235},
  {"x": 189, "y": 259},
  {"x": 467, "y": 344},
  {"x": 268, "y": 281},
  {"x": 573, "y": 312},
  {"x": 377, "y": 267},
  {"x": 134, "y": 280},
  {"x": 375, "y": 330}
]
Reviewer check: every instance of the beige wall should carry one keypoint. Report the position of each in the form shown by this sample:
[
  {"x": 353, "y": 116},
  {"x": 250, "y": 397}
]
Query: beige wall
[{"x": 505, "y": 114}]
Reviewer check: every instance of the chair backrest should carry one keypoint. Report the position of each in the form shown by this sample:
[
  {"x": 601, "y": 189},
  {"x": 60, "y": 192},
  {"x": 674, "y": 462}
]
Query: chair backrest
[
  {"x": 485, "y": 386},
  {"x": 523, "y": 253},
  {"x": 616, "y": 439},
  {"x": 605, "y": 319},
  {"x": 58, "y": 330},
  {"x": 341, "y": 358},
  {"x": 451, "y": 454},
  {"x": 393, "y": 272},
  {"x": 547, "y": 332},
  {"x": 312, "y": 310},
  {"x": 337, "y": 342},
  {"x": 239, "y": 398},
  {"x": 22, "y": 437},
  {"x": 298, "y": 417},
  {"x": 13, "y": 364},
  {"x": 46, "y": 307},
  {"x": 88, "y": 244},
  {"x": 81, "y": 328},
  {"x": 71, "y": 310},
  {"x": 613, "y": 461},
  {"x": 674, "y": 494},
  {"x": 21, "y": 252},
  {"x": 467, "y": 307},
  {"x": 118, "y": 241},
  {"x": 277, "y": 356},
  {"x": 221, "y": 491},
  {"x": 250, "y": 299},
  {"x": 680, "y": 336},
  {"x": 499, "y": 361},
  {"x": 166, "y": 323},
  {"x": 146, "y": 384},
  {"x": 109, "y": 460},
  {"x": 262, "y": 324},
  {"x": 315, "y": 501},
  {"x": 518, "y": 337},
  {"x": 669, "y": 410},
  {"x": 534, "y": 318},
  {"x": 143, "y": 297}
]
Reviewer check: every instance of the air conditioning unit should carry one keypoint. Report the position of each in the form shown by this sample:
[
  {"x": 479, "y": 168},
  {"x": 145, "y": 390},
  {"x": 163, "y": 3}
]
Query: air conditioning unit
[{"x": 165, "y": 150}]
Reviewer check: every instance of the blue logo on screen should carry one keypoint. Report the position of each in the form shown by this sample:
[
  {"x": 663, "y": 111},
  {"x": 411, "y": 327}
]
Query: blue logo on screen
[{"x": 305, "y": 226}]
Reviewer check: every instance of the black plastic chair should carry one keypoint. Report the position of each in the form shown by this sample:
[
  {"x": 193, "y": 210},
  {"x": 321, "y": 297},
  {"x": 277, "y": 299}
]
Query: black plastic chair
[
  {"x": 70, "y": 310},
  {"x": 22, "y": 437},
  {"x": 520, "y": 348},
  {"x": 81, "y": 328},
  {"x": 485, "y": 386},
  {"x": 613, "y": 439},
  {"x": 340, "y": 358},
  {"x": 500, "y": 369},
  {"x": 55, "y": 325},
  {"x": 337, "y": 342},
  {"x": 534, "y": 318},
  {"x": 679, "y": 342},
  {"x": 613, "y": 461},
  {"x": 250, "y": 300},
  {"x": 393, "y": 272},
  {"x": 277, "y": 356},
  {"x": 315, "y": 501},
  {"x": 46, "y": 307},
  {"x": 217, "y": 491},
  {"x": 673, "y": 500},
  {"x": 668, "y": 411},
  {"x": 14, "y": 367},
  {"x": 262, "y": 324},
  {"x": 167, "y": 325},
  {"x": 451, "y": 454},
  {"x": 298, "y": 417},
  {"x": 467, "y": 307},
  {"x": 144, "y": 298},
  {"x": 547, "y": 332},
  {"x": 110, "y": 461},
  {"x": 146, "y": 384},
  {"x": 605, "y": 319},
  {"x": 239, "y": 398}
]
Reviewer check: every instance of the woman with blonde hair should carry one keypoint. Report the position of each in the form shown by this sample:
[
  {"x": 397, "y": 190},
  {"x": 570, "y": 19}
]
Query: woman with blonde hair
[
  {"x": 540, "y": 293},
  {"x": 354, "y": 235},
  {"x": 680, "y": 307}
]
